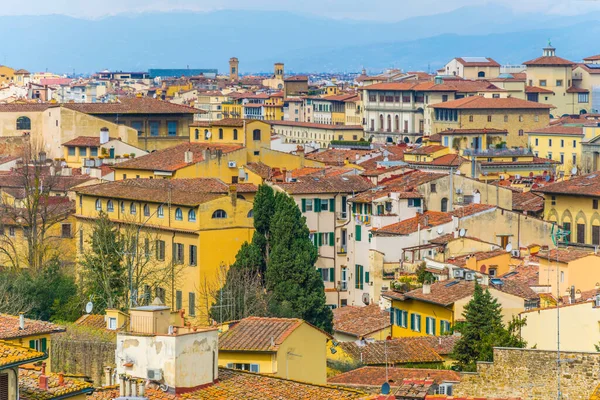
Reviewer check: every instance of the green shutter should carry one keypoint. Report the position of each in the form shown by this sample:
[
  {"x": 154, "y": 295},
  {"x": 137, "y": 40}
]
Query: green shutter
[
  {"x": 332, "y": 205},
  {"x": 354, "y": 208},
  {"x": 392, "y": 311},
  {"x": 317, "y": 205},
  {"x": 356, "y": 277},
  {"x": 357, "y": 233},
  {"x": 412, "y": 322},
  {"x": 319, "y": 239},
  {"x": 303, "y": 205},
  {"x": 331, "y": 238},
  {"x": 315, "y": 239},
  {"x": 32, "y": 344},
  {"x": 367, "y": 277},
  {"x": 331, "y": 274},
  {"x": 44, "y": 344},
  {"x": 433, "y": 324}
]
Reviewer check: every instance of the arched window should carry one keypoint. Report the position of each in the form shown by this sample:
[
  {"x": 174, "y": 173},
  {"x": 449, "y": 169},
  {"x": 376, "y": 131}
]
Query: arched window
[
  {"x": 235, "y": 137},
  {"x": 146, "y": 210},
  {"x": 98, "y": 205},
  {"x": 220, "y": 214},
  {"x": 197, "y": 134},
  {"x": 381, "y": 122},
  {"x": 110, "y": 206},
  {"x": 178, "y": 214},
  {"x": 192, "y": 215},
  {"x": 160, "y": 211},
  {"x": 397, "y": 123},
  {"x": 444, "y": 205},
  {"x": 389, "y": 123},
  {"x": 132, "y": 208},
  {"x": 123, "y": 207},
  {"x": 481, "y": 74},
  {"x": 23, "y": 123},
  {"x": 250, "y": 214}
]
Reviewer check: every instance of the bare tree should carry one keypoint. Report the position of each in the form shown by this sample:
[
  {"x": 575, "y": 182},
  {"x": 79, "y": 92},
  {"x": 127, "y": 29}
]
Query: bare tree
[{"x": 12, "y": 302}]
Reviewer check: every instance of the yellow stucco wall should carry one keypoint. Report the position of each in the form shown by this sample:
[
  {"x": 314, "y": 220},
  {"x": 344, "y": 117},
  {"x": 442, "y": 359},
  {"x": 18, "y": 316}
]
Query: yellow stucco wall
[
  {"x": 24, "y": 341},
  {"x": 574, "y": 210},
  {"x": 424, "y": 310},
  {"x": 565, "y": 103},
  {"x": 583, "y": 273}
]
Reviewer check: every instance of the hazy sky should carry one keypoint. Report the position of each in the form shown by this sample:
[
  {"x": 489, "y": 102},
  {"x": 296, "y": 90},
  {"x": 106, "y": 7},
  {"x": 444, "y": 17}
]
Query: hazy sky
[{"x": 356, "y": 9}]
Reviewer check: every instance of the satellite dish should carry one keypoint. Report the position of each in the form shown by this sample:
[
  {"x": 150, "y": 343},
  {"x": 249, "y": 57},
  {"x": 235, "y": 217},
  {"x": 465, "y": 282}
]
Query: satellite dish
[
  {"x": 509, "y": 247},
  {"x": 208, "y": 134},
  {"x": 574, "y": 171},
  {"x": 385, "y": 388},
  {"x": 440, "y": 230},
  {"x": 89, "y": 307},
  {"x": 517, "y": 176},
  {"x": 462, "y": 232},
  {"x": 366, "y": 299}
]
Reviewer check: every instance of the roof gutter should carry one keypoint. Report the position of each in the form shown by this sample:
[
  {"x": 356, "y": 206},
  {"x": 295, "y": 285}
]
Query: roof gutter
[
  {"x": 85, "y": 391},
  {"x": 28, "y": 361}
]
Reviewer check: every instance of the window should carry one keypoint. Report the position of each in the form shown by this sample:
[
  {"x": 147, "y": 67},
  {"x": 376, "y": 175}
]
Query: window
[
  {"x": 71, "y": 151},
  {"x": 250, "y": 214},
  {"x": 220, "y": 133},
  {"x": 11, "y": 231},
  {"x": 430, "y": 326},
  {"x": 357, "y": 233},
  {"x": 244, "y": 367},
  {"x": 583, "y": 97},
  {"x": 324, "y": 205},
  {"x": 562, "y": 276},
  {"x": 595, "y": 235},
  {"x": 196, "y": 134},
  {"x": 574, "y": 143},
  {"x": 495, "y": 96},
  {"x": 433, "y": 188},
  {"x": 415, "y": 322},
  {"x": 178, "y": 253},
  {"x": 521, "y": 132},
  {"x": 160, "y": 211},
  {"x": 160, "y": 250},
  {"x": 110, "y": 206},
  {"x": 506, "y": 118},
  {"x": 122, "y": 207},
  {"x": 235, "y": 132},
  {"x": 256, "y": 134},
  {"x": 358, "y": 277},
  {"x": 489, "y": 118},
  {"x": 542, "y": 82},
  {"x": 328, "y": 274},
  {"x": 219, "y": 214},
  {"x": 23, "y": 123},
  {"x": 192, "y": 304},
  {"x": 553, "y": 200},
  {"x": 562, "y": 143},
  {"x": 39, "y": 344},
  {"x": 562, "y": 158},
  {"x": 595, "y": 204},
  {"x": 444, "y": 98},
  {"x": 154, "y": 127},
  {"x": 138, "y": 126},
  {"x": 444, "y": 327},
  {"x": 193, "y": 255},
  {"x": 98, "y": 205},
  {"x": 178, "y": 214},
  {"x": 580, "y": 233},
  {"x": 444, "y": 207},
  {"x": 192, "y": 215},
  {"x": 414, "y": 202},
  {"x": 481, "y": 74},
  {"x": 146, "y": 210},
  {"x": 112, "y": 323},
  {"x": 559, "y": 82},
  {"x": 132, "y": 209},
  {"x": 178, "y": 300},
  {"x": 93, "y": 151},
  {"x": 537, "y": 142},
  {"x": 536, "y": 118},
  {"x": 549, "y": 156},
  {"x": 65, "y": 230},
  {"x": 172, "y": 128}
]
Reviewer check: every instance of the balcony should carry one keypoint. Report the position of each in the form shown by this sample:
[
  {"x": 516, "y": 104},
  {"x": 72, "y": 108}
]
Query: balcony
[
  {"x": 341, "y": 250},
  {"x": 497, "y": 152},
  {"x": 344, "y": 286}
]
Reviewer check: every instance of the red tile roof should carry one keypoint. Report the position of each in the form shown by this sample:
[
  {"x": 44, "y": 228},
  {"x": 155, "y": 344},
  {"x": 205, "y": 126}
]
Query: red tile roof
[
  {"x": 566, "y": 255},
  {"x": 559, "y": 130},
  {"x": 461, "y": 261},
  {"x": 480, "y": 102},
  {"x": 173, "y": 158},
  {"x": 376, "y": 376},
  {"x": 29, "y": 387},
  {"x": 398, "y": 352},
  {"x": 360, "y": 321},
  {"x": 296, "y": 78},
  {"x": 258, "y": 334},
  {"x": 490, "y": 63},
  {"x": 338, "y": 157},
  {"x": 525, "y": 274},
  {"x": 84, "y": 141},
  {"x": 12, "y": 354},
  {"x": 317, "y": 126},
  {"x": 133, "y": 105},
  {"x": 444, "y": 397},
  {"x": 423, "y": 221},
  {"x": 592, "y": 58},
  {"x": 412, "y": 179},
  {"x": 331, "y": 184},
  {"x": 262, "y": 170},
  {"x": 549, "y": 60},
  {"x": 584, "y": 185},
  {"x": 447, "y": 160},
  {"x": 527, "y": 201},
  {"x": 426, "y": 149},
  {"x": 577, "y": 90},
  {"x": 472, "y": 209},
  {"x": 9, "y": 327},
  {"x": 28, "y": 107},
  {"x": 535, "y": 89},
  {"x": 473, "y": 131}
]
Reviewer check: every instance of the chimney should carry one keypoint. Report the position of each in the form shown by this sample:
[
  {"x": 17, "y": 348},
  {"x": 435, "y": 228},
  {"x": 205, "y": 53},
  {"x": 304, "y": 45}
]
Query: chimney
[
  {"x": 141, "y": 388},
  {"x": 61, "y": 379},
  {"x": 233, "y": 194},
  {"x": 572, "y": 296},
  {"x": 103, "y": 136},
  {"x": 21, "y": 321},
  {"x": 426, "y": 288},
  {"x": 188, "y": 156},
  {"x": 108, "y": 376},
  {"x": 43, "y": 381},
  {"x": 122, "y": 386},
  {"x": 133, "y": 387},
  {"x": 127, "y": 387},
  {"x": 52, "y": 170}
]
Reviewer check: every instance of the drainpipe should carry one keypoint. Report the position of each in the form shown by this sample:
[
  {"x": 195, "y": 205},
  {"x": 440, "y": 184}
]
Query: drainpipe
[{"x": 451, "y": 205}]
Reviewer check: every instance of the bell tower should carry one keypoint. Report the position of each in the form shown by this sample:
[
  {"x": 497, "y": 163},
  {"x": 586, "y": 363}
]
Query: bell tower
[{"x": 234, "y": 69}]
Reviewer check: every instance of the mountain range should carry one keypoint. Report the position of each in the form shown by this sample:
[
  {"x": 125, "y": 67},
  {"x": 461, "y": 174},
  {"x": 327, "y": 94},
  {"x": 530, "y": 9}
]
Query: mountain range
[{"x": 304, "y": 42}]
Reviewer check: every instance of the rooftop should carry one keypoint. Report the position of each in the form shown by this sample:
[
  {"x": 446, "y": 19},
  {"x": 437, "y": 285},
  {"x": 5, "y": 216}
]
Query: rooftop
[
  {"x": 84, "y": 141},
  {"x": 481, "y": 131},
  {"x": 480, "y": 102},
  {"x": 549, "y": 61},
  {"x": 477, "y": 62},
  {"x": 566, "y": 255},
  {"x": 9, "y": 327},
  {"x": 398, "y": 352},
  {"x": 558, "y": 130},
  {"x": 338, "y": 157},
  {"x": 527, "y": 201},
  {"x": 133, "y": 105},
  {"x": 12, "y": 354},
  {"x": 318, "y": 126},
  {"x": 376, "y": 376},
  {"x": 584, "y": 185},
  {"x": 331, "y": 184},
  {"x": 29, "y": 387},
  {"x": 421, "y": 221},
  {"x": 360, "y": 321},
  {"x": 461, "y": 261},
  {"x": 426, "y": 149}
]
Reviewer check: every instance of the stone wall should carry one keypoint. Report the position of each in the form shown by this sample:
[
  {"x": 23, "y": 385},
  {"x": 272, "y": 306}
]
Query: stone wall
[
  {"x": 86, "y": 357},
  {"x": 13, "y": 145},
  {"x": 532, "y": 374}
]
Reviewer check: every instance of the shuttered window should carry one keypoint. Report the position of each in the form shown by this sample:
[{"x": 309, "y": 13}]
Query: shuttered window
[
  {"x": 358, "y": 276},
  {"x": 357, "y": 233},
  {"x": 580, "y": 233},
  {"x": 3, "y": 386},
  {"x": 596, "y": 235}
]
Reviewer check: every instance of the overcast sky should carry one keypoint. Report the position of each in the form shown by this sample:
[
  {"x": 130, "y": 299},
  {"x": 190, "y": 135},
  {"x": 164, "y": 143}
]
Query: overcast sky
[{"x": 355, "y": 9}]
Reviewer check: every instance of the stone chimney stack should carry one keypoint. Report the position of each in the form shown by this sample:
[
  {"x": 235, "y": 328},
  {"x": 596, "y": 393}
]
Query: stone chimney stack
[
  {"x": 426, "y": 288},
  {"x": 43, "y": 381},
  {"x": 188, "y": 157}
]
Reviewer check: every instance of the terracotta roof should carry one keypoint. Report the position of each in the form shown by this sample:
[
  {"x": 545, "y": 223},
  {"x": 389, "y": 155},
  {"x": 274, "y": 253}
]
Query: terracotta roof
[
  {"x": 566, "y": 255},
  {"x": 426, "y": 149},
  {"x": 527, "y": 201},
  {"x": 536, "y": 89},
  {"x": 258, "y": 334},
  {"x": 317, "y": 126},
  {"x": 262, "y": 170},
  {"x": 549, "y": 60},
  {"x": 527, "y": 274},
  {"x": 94, "y": 321},
  {"x": 473, "y": 131},
  {"x": 472, "y": 209},
  {"x": 332, "y": 184},
  {"x": 412, "y": 179},
  {"x": 461, "y": 261},
  {"x": 394, "y": 295},
  {"x": 360, "y": 321},
  {"x": 444, "y": 397},
  {"x": 84, "y": 141},
  {"x": 296, "y": 78},
  {"x": 338, "y": 156},
  {"x": 559, "y": 130},
  {"x": 436, "y": 137},
  {"x": 376, "y": 376},
  {"x": 480, "y": 102},
  {"x": 173, "y": 158},
  {"x": 584, "y": 185},
  {"x": 592, "y": 58},
  {"x": 424, "y": 221},
  {"x": 398, "y": 352},
  {"x": 9, "y": 327},
  {"x": 577, "y": 90},
  {"x": 449, "y": 160},
  {"x": 489, "y": 63},
  {"x": 29, "y": 387},
  {"x": 444, "y": 293},
  {"x": 28, "y": 107},
  {"x": 133, "y": 105},
  {"x": 12, "y": 354},
  {"x": 370, "y": 195},
  {"x": 533, "y": 161},
  {"x": 515, "y": 288},
  {"x": 443, "y": 345},
  {"x": 188, "y": 192}
]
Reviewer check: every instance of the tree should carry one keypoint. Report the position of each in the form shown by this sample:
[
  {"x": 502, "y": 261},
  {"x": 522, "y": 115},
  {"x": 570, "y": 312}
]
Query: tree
[
  {"x": 483, "y": 330},
  {"x": 263, "y": 208},
  {"x": 103, "y": 275},
  {"x": 291, "y": 276},
  {"x": 424, "y": 276}
]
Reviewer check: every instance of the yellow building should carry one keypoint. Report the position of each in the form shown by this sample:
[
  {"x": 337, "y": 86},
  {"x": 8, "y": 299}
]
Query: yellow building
[
  {"x": 7, "y": 75},
  {"x": 92, "y": 151},
  {"x": 288, "y": 348},
  {"x": 177, "y": 86},
  {"x": 320, "y": 134},
  {"x": 513, "y": 115},
  {"x": 434, "y": 309},
  {"x": 561, "y": 143},
  {"x": 36, "y": 335},
  {"x": 577, "y": 267},
  {"x": 473, "y": 67},
  {"x": 555, "y": 74},
  {"x": 190, "y": 227}
]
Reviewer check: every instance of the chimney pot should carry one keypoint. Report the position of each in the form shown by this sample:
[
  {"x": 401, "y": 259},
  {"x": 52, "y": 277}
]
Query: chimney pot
[
  {"x": 61, "y": 379},
  {"x": 21, "y": 321},
  {"x": 43, "y": 381},
  {"x": 122, "y": 386},
  {"x": 108, "y": 376},
  {"x": 141, "y": 388}
]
